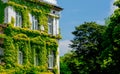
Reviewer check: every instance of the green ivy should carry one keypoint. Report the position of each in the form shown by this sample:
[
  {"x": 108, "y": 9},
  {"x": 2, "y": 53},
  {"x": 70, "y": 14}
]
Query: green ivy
[
  {"x": 2, "y": 7},
  {"x": 26, "y": 40},
  {"x": 41, "y": 12}
]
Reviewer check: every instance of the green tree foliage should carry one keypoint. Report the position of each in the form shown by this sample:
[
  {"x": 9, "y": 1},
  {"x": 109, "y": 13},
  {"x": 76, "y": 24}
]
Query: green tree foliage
[
  {"x": 111, "y": 44},
  {"x": 87, "y": 47},
  {"x": 96, "y": 51},
  {"x": 64, "y": 61}
]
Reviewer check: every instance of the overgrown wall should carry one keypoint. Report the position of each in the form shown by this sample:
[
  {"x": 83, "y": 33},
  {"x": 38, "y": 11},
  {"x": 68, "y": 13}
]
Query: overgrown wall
[{"x": 28, "y": 41}]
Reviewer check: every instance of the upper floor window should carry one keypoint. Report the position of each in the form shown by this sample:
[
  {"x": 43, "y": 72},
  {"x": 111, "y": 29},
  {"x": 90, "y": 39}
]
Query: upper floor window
[
  {"x": 51, "y": 60},
  {"x": 53, "y": 26},
  {"x": 18, "y": 20},
  {"x": 20, "y": 57},
  {"x": 6, "y": 15},
  {"x": 55, "y": 12},
  {"x": 34, "y": 23},
  {"x": 50, "y": 25}
]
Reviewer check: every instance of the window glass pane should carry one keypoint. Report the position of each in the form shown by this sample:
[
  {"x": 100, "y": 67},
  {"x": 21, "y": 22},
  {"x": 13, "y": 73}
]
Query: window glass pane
[
  {"x": 51, "y": 60},
  {"x": 36, "y": 61},
  {"x": 20, "y": 57},
  {"x": 32, "y": 27},
  {"x": 50, "y": 25},
  {"x": 34, "y": 23},
  {"x": 18, "y": 20},
  {"x": 1, "y": 52}
]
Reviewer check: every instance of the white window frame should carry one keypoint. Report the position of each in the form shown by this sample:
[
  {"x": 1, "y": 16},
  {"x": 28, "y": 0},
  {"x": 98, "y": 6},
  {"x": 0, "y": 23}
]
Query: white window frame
[
  {"x": 20, "y": 57},
  {"x": 18, "y": 20},
  {"x": 34, "y": 23},
  {"x": 50, "y": 25},
  {"x": 51, "y": 60}
]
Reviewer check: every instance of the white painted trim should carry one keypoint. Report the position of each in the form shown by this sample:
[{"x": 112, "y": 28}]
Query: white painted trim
[
  {"x": 30, "y": 19},
  {"x": 57, "y": 24},
  {"x": 9, "y": 13}
]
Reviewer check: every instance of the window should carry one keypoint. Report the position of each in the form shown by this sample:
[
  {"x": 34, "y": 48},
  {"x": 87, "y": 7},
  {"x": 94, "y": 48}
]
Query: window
[
  {"x": 6, "y": 15},
  {"x": 34, "y": 23},
  {"x": 0, "y": 61},
  {"x": 51, "y": 60},
  {"x": 1, "y": 52},
  {"x": 1, "y": 55},
  {"x": 50, "y": 25},
  {"x": 53, "y": 26},
  {"x": 36, "y": 62},
  {"x": 18, "y": 20},
  {"x": 36, "y": 58},
  {"x": 55, "y": 12},
  {"x": 20, "y": 57},
  {"x": 56, "y": 26}
]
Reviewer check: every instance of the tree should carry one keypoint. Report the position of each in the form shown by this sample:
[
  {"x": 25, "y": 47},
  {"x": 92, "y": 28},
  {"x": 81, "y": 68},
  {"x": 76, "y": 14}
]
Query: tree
[
  {"x": 64, "y": 61},
  {"x": 87, "y": 47},
  {"x": 111, "y": 44}
]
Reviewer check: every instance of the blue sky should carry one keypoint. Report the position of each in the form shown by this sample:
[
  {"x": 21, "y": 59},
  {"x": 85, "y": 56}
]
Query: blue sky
[{"x": 77, "y": 12}]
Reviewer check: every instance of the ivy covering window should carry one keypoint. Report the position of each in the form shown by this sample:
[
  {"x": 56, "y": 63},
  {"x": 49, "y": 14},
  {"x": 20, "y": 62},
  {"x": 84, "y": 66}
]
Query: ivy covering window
[
  {"x": 50, "y": 25},
  {"x": 20, "y": 57},
  {"x": 36, "y": 61},
  {"x": 51, "y": 60},
  {"x": 34, "y": 23},
  {"x": 18, "y": 20}
]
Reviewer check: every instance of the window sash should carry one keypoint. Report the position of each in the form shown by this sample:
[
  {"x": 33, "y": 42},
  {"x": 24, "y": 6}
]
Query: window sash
[
  {"x": 20, "y": 57},
  {"x": 36, "y": 61},
  {"x": 51, "y": 60},
  {"x": 34, "y": 23},
  {"x": 50, "y": 25},
  {"x": 18, "y": 20},
  {"x": 6, "y": 15},
  {"x": 50, "y": 28},
  {"x": 1, "y": 52}
]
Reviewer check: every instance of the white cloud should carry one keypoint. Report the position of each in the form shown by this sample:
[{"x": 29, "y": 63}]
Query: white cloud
[
  {"x": 100, "y": 22},
  {"x": 64, "y": 47},
  {"x": 112, "y": 8}
]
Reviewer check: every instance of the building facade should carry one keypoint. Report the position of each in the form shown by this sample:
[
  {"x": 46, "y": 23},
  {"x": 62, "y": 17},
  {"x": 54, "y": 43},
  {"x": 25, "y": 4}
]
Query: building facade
[{"x": 29, "y": 36}]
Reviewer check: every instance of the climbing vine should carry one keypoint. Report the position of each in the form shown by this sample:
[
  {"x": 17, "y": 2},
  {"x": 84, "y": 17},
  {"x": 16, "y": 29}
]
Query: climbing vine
[
  {"x": 2, "y": 7},
  {"x": 30, "y": 42}
]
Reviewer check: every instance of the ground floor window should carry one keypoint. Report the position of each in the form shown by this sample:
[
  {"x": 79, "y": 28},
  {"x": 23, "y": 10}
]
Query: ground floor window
[
  {"x": 1, "y": 55},
  {"x": 36, "y": 60},
  {"x": 51, "y": 60},
  {"x": 20, "y": 57}
]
